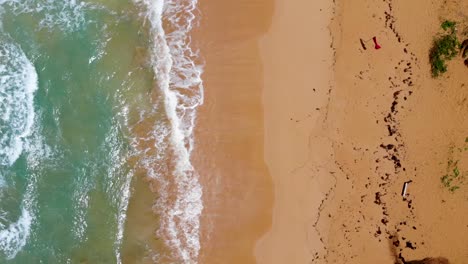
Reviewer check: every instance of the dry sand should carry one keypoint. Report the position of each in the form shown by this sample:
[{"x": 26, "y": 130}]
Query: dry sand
[
  {"x": 298, "y": 62},
  {"x": 305, "y": 138},
  {"x": 392, "y": 122}
]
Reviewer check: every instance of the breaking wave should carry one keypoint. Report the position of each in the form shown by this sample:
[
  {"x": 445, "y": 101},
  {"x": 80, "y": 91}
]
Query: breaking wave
[
  {"x": 18, "y": 83},
  {"x": 178, "y": 77}
]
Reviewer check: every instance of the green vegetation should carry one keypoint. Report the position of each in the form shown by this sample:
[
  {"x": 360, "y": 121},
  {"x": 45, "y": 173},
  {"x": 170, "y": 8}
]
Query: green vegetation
[
  {"x": 448, "y": 25},
  {"x": 454, "y": 176},
  {"x": 445, "y": 48}
]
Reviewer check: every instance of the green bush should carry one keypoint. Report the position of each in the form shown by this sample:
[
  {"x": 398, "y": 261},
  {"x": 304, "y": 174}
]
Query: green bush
[
  {"x": 444, "y": 48},
  {"x": 448, "y": 25}
]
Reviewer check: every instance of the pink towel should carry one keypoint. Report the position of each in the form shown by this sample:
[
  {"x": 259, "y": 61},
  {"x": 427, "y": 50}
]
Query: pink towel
[{"x": 377, "y": 46}]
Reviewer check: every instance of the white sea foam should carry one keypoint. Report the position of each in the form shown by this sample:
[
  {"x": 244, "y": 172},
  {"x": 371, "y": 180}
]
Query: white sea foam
[
  {"x": 122, "y": 215},
  {"x": 18, "y": 82},
  {"x": 100, "y": 44},
  {"x": 119, "y": 180},
  {"x": 81, "y": 205},
  {"x": 68, "y": 15},
  {"x": 179, "y": 79},
  {"x": 14, "y": 237}
]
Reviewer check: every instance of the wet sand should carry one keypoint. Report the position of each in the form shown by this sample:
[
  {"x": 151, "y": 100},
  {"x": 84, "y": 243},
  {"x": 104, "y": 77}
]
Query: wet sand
[
  {"x": 237, "y": 188},
  {"x": 141, "y": 244}
]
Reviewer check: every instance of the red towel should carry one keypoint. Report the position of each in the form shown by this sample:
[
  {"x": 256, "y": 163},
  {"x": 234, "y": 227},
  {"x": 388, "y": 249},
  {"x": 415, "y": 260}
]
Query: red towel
[{"x": 377, "y": 46}]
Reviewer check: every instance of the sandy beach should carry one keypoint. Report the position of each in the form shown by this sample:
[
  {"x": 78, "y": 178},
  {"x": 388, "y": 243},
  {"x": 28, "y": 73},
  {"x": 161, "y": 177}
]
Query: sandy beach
[
  {"x": 393, "y": 123},
  {"x": 310, "y": 137}
]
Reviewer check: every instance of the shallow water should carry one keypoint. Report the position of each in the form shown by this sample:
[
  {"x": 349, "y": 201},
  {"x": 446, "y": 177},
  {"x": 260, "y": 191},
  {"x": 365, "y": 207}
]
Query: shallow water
[{"x": 88, "y": 103}]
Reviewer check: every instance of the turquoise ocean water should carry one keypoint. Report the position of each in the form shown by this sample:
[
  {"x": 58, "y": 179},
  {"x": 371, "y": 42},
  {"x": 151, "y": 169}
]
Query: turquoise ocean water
[{"x": 93, "y": 94}]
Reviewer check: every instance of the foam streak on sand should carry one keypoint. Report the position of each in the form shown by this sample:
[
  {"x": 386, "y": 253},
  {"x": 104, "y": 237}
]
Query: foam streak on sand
[{"x": 179, "y": 79}]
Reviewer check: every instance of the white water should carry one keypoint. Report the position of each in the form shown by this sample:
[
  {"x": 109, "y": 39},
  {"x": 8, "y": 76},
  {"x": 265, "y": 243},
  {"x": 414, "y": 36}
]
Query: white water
[
  {"x": 66, "y": 14},
  {"x": 119, "y": 182},
  {"x": 18, "y": 82},
  {"x": 122, "y": 215},
  {"x": 179, "y": 79},
  {"x": 14, "y": 237}
]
